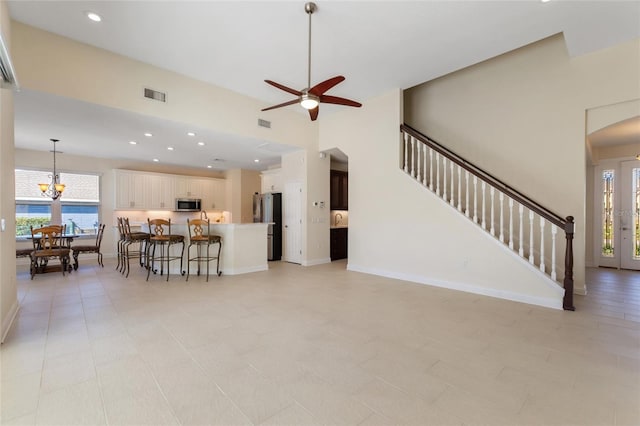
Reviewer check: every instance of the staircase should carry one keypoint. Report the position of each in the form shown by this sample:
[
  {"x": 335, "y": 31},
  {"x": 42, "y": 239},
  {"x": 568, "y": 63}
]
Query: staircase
[{"x": 527, "y": 228}]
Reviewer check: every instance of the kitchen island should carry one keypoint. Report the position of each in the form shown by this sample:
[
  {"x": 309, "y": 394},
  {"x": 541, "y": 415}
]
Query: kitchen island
[{"x": 244, "y": 246}]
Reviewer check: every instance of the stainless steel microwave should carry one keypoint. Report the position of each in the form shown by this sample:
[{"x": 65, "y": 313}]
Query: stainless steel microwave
[{"x": 188, "y": 204}]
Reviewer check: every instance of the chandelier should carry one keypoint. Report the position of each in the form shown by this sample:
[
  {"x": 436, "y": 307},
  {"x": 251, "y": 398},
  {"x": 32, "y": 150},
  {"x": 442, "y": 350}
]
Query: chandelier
[{"x": 53, "y": 189}]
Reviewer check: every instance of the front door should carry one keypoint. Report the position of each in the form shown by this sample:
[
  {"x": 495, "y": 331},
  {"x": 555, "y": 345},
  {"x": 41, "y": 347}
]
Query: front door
[{"x": 618, "y": 208}]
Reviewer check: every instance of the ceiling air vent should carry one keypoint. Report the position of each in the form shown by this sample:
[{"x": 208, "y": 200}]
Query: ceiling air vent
[
  {"x": 155, "y": 95},
  {"x": 264, "y": 123},
  {"x": 7, "y": 73}
]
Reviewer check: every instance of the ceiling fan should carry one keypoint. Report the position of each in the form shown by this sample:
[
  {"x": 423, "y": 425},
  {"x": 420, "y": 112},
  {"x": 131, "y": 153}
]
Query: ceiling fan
[{"x": 310, "y": 97}]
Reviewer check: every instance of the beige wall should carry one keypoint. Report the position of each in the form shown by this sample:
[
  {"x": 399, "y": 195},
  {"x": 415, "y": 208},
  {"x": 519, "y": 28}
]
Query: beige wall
[
  {"x": 399, "y": 229},
  {"x": 8, "y": 289},
  {"x": 521, "y": 116},
  {"x": 241, "y": 186},
  {"x": 61, "y": 66}
]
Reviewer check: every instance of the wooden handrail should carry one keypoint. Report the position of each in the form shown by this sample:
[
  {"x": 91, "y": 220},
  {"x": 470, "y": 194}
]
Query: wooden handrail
[
  {"x": 488, "y": 178},
  {"x": 567, "y": 224}
]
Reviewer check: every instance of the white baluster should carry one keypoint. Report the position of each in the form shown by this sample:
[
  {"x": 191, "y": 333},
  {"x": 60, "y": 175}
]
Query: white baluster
[
  {"x": 554, "y": 231},
  {"x": 419, "y": 176},
  {"x": 444, "y": 174},
  {"x": 413, "y": 157},
  {"x": 501, "y": 217},
  {"x": 466, "y": 188},
  {"x": 530, "y": 237},
  {"x": 437, "y": 174},
  {"x": 451, "y": 201},
  {"x": 431, "y": 169},
  {"x": 424, "y": 161},
  {"x": 459, "y": 188},
  {"x": 521, "y": 232},
  {"x": 492, "y": 192},
  {"x": 542, "y": 223},
  {"x": 484, "y": 221},
  {"x": 511, "y": 223},
  {"x": 406, "y": 152},
  {"x": 475, "y": 199}
]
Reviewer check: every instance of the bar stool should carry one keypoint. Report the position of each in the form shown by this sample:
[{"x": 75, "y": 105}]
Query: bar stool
[
  {"x": 202, "y": 241},
  {"x": 139, "y": 240},
  {"x": 160, "y": 230}
]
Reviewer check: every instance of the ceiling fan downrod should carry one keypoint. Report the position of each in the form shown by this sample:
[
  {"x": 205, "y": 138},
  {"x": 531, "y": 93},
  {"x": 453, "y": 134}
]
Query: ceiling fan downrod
[{"x": 309, "y": 7}]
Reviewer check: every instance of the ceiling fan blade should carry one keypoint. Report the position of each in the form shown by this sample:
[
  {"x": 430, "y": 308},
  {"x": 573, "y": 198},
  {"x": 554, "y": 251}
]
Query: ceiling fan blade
[
  {"x": 339, "y": 101},
  {"x": 285, "y": 88},
  {"x": 295, "y": 101},
  {"x": 320, "y": 88},
  {"x": 313, "y": 113}
]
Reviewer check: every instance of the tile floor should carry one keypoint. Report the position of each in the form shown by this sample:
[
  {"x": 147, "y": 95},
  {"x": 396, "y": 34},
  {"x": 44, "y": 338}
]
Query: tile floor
[{"x": 314, "y": 346}]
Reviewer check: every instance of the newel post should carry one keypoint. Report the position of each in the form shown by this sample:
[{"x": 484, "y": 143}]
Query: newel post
[{"x": 567, "y": 302}]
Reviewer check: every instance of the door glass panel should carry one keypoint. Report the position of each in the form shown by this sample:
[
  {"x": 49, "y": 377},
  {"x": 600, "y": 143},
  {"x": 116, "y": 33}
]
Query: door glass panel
[
  {"x": 635, "y": 193},
  {"x": 607, "y": 212}
]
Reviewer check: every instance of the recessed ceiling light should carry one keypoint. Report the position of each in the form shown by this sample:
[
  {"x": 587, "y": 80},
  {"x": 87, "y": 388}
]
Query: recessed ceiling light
[
  {"x": 170, "y": 148},
  {"x": 545, "y": 1},
  {"x": 190, "y": 134},
  {"x": 256, "y": 161},
  {"x": 148, "y": 134},
  {"x": 94, "y": 16},
  {"x": 155, "y": 160},
  {"x": 201, "y": 143},
  {"x": 209, "y": 166},
  {"x": 133, "y": 142}
]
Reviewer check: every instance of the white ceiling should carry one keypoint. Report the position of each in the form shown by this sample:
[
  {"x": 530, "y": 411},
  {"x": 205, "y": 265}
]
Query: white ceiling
[{"x": 376, "y": 45}]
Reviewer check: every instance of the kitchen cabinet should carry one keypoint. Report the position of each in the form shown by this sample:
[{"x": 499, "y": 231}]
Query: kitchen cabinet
[
  {"x": 271, "y": 181},
  {"x": 213, "y": 194},
  {"x": 161, "y": 192},
  {"x": 136, "y": 190},
  {"x": 339, "y": 189},
  {"x": 132, "y": 190},
  {"x": 338, "y": 243}
]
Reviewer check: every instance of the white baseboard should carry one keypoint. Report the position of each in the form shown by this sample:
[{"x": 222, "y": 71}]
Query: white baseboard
[
  {"x": 247, "y": 270},
  {"x": 554, "y": 303},
  {"x": 313, "y": 262},
  {"x": 8, "y": 320}
]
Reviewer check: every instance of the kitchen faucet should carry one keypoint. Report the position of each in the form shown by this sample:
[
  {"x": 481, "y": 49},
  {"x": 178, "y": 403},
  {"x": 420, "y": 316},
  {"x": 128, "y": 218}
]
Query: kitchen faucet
[{"x": 336, "y": 220}]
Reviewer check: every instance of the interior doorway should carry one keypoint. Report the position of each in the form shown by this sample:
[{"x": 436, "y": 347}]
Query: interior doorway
[
  {"x": 613, "y": 186},
  {"x": 617, "y": 222},
  {"x": 339, "y": 205}
]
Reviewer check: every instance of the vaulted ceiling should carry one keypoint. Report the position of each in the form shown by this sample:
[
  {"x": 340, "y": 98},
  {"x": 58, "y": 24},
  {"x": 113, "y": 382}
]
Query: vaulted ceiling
[{"x": 376, "y": 45}]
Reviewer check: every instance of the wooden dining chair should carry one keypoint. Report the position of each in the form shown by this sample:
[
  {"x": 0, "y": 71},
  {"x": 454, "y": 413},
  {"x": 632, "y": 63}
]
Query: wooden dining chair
[
  {"x": 48, "y": 244},
  {"x": 89, "y": 248}
]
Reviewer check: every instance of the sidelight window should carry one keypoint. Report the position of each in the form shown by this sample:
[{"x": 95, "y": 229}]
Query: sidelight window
[{"x": 608, "y": 182}]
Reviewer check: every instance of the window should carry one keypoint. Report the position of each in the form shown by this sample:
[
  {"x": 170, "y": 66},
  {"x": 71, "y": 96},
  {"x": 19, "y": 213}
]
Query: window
[
  {"x": 79, "y": 204},
  {"x": 607, "y": 213}
]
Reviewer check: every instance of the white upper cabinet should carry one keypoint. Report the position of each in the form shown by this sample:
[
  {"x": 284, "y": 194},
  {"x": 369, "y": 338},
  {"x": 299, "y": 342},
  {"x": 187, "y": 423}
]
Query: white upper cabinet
[
  {"x": 271, "y": 181},
  {"x": 156, "y": 191},
  {"x": 132, "y": 190},
  {"x": 162, "y": 192}
]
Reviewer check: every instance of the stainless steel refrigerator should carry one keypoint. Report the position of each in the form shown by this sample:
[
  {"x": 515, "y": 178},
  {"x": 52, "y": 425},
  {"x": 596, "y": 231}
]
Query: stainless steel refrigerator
[{"x": 268, "y": 208}]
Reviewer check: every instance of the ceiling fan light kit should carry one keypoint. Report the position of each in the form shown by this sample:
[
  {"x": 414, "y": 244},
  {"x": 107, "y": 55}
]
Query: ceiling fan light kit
[{"x": 310, "y": 97}]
